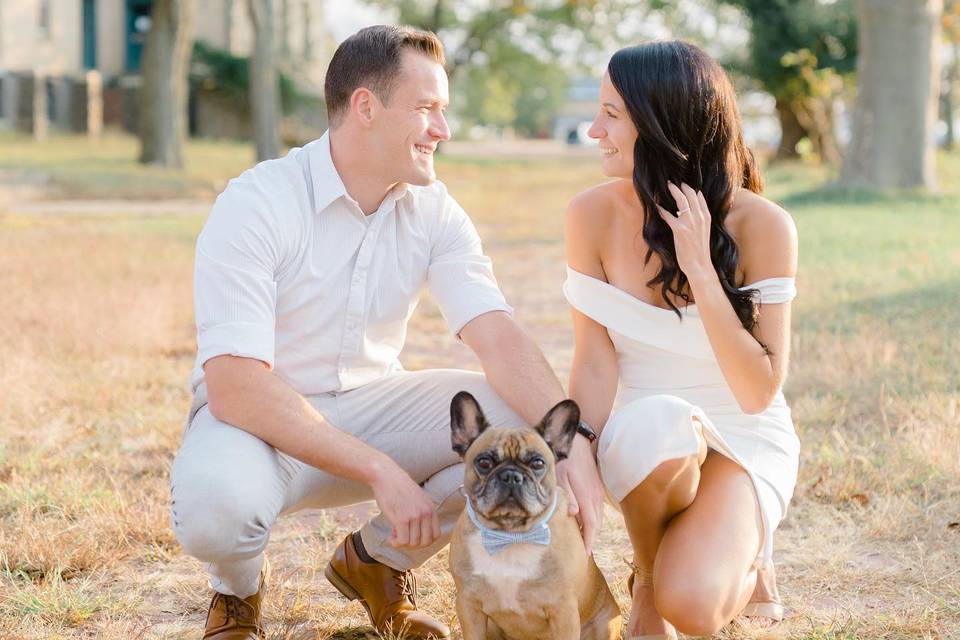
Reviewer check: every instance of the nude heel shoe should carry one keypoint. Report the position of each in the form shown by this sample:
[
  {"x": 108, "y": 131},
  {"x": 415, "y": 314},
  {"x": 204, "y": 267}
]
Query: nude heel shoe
[
  {"x": 644, "y": 578},
  {"x": 771, "y": 608}
]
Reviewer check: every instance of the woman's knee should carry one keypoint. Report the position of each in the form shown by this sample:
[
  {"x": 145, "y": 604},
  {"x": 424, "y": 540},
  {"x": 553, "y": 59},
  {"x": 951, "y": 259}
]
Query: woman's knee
[{"x": 695, "y": 605}]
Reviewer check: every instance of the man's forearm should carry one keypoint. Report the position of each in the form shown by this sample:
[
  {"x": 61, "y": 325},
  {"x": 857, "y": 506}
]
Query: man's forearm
[
  {"x": 514, "y": 366},
  {"x": 243, "y": 393}
]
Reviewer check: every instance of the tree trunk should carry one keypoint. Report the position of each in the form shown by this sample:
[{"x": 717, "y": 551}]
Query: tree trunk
[
  {"x": 163, "y": 95},
  {"x": 264, "y": 87},
  {"x": 946, "y": 112},
  {"x": 791, "y": 131},
  {"x": 437, "y": 16},
  {"x": 949, "y": 98},
  {"x": 897, "y": 93},
  {"x": 815, "y": 115}
]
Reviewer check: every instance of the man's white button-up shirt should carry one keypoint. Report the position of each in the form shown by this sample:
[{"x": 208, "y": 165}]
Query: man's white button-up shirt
[{"x": 291, "y": 272}]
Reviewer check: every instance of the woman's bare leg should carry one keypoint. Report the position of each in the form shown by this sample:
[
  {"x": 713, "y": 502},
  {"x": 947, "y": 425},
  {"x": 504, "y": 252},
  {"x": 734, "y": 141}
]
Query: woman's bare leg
[
  {"x": 704, "y": 571},
  {"x": 669, "y": 489}
]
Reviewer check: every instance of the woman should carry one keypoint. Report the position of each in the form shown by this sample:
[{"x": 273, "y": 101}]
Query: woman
[{"x": 680, "y": 277}]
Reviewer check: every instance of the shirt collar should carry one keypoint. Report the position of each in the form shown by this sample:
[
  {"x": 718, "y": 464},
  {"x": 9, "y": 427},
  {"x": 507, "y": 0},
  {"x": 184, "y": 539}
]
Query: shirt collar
[{"x": 327, "y": 184}]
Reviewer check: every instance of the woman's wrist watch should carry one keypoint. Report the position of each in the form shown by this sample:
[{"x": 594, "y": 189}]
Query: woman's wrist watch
[{"x": 586, "y": 431}]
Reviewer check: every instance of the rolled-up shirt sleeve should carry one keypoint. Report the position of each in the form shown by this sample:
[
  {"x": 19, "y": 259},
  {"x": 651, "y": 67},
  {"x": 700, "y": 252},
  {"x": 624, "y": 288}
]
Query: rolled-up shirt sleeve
[
  {"x": 460, "y": 276},
  {"x": 235, "y": 290}
]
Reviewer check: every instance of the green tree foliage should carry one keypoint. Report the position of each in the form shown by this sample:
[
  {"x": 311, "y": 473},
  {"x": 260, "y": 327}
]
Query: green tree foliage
[
  {"x": 215, "y": 68},
  {"x": 511, "y": 88},
  {"x": 800, "y": 51},
  {"x": 507, "y": 58}
]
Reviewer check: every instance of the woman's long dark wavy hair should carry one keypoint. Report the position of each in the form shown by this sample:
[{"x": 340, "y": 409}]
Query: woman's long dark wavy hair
[{"x": 688, "y": 130}]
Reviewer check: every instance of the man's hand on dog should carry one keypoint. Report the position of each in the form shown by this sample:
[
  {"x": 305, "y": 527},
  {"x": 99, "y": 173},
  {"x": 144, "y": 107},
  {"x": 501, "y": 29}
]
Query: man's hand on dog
[
  {"x": 579, "y": 476},
  {"x": 407, "y": 507}
]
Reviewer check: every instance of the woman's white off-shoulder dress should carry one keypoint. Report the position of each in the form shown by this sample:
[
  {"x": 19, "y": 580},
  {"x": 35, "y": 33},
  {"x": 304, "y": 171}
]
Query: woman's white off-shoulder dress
[{"x": 669, "y": 376}]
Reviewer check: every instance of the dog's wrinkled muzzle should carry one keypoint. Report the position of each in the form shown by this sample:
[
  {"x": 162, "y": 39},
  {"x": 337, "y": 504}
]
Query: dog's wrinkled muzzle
[{"x": 496, "y": 541}]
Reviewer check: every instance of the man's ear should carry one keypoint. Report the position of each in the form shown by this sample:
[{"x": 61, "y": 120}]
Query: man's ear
[
  {"x": 559, "y": 427},
  {"x": 363, "y": 105},
  {"x": 466, "y": 422}
]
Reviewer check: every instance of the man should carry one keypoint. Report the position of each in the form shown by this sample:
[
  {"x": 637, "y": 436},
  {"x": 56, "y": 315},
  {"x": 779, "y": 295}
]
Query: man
[{"x": 307, "y": 272}]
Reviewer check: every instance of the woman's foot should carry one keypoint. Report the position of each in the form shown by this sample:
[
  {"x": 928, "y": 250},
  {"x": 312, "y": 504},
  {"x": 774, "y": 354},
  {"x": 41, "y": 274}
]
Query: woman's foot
[
  {"x": 765, "y": 606},
  {"x": 645, "y": 621}
]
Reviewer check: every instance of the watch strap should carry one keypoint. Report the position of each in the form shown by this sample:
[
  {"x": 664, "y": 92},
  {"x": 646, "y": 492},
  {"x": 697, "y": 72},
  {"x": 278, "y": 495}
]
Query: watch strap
[{"x": 586, "y": 431}]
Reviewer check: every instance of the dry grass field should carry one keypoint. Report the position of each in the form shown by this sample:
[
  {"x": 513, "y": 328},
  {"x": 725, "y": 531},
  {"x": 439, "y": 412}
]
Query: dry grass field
[{"x": 97, "y": 342}]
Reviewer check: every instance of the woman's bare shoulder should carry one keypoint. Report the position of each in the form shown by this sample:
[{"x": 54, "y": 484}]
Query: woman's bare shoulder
[
  {"x": 766, "y": 237},
  {"x": 590, "y": 217},
  {"x": 599, "y": 199},
  {"x": 594, "y": 209}
]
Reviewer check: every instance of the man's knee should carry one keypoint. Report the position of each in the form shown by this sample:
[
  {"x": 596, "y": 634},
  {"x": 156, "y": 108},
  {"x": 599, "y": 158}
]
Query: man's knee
[{"x": 214, "y": 522}]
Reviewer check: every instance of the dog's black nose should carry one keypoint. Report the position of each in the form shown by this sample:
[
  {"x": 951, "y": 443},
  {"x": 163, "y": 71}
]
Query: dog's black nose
[{"x": 510, "y": 476}]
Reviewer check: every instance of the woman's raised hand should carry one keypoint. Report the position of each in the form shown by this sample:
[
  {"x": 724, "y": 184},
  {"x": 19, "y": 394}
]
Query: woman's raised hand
[{"x": 691, "y": 231}]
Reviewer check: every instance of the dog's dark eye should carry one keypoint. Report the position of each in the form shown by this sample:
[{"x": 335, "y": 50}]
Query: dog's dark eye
[
  {"x": 484, "y": 465},
  {"x": 537, "y": 464}
]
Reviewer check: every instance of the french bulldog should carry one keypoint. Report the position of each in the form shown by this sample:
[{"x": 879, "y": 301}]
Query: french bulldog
[{"x": 516, "y": 555}]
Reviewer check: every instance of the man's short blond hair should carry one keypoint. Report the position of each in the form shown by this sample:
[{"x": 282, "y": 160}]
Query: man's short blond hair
[{"x": 371, "y": 58}]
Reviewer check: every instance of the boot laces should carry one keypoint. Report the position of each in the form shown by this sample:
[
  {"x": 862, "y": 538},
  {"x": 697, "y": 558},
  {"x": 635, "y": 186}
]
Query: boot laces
[
  {"x": 408, "y": 584},
  {"x": 237, "y": 608}
]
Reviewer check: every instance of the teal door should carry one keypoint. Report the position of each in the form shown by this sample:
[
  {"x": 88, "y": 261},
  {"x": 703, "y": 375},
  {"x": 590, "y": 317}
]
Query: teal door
[
  {"x": 89, "y": 34},
  {"x": 137, "y": 27}
]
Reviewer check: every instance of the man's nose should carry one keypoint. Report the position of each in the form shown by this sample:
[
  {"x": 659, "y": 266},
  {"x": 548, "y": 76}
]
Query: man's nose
[
  {"x": 510, "y": 477},
  {"x": 439, "y": 128}
]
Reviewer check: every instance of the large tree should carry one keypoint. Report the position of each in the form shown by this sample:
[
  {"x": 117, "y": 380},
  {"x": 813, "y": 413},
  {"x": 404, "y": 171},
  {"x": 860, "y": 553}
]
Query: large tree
[
  {"x": 163, "y": 95},
  {"x": 264, "y": 82},
  {"x": 799, "y": 52},
  {"x": 897, "y": 94}
]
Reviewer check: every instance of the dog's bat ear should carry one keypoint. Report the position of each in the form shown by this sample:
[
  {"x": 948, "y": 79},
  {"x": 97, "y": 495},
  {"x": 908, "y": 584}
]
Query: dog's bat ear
[
  {"x": 559, "y": 427},
  {"x": 466, "y": 422}
]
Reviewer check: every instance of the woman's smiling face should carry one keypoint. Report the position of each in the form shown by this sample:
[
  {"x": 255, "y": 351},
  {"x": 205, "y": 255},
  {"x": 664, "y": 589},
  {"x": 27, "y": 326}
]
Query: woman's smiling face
[{"x": 615, "y": 131}]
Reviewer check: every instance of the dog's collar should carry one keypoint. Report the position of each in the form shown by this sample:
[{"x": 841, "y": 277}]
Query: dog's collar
[{"x": 495, "y": 541}]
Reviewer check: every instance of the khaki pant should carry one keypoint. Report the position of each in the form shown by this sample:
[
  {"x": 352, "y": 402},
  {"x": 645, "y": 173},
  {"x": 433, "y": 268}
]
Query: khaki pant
[{"x": 228, "y": 487}]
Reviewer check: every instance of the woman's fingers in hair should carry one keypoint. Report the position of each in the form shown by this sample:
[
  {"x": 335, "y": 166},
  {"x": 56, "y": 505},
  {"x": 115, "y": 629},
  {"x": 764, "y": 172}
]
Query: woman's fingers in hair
[
  {"x": 703, "y": 204},
  {"x": 668, "y": 217},
  {"x": 692, "y": 200},
  {"x": 683, "y": 205}
]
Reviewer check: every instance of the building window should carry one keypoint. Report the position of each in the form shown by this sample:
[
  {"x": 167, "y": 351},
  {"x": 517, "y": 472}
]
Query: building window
[{"x": 43, "y": 19}]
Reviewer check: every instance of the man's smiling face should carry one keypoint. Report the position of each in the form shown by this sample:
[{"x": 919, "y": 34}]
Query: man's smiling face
[{"x": 412, "y": 122}]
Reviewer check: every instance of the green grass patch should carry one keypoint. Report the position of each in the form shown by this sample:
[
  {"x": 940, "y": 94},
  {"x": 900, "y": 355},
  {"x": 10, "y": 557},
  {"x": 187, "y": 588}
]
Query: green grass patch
[{"x": 76, "y": 167}]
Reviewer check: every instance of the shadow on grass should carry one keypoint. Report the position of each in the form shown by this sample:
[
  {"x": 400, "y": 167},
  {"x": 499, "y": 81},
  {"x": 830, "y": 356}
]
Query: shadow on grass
[
  {"x": 934, "y": 306},
  {"x": 838, "y": 194},
  {"x": 310, "y": 633},
  {"x": 354, "y": 633},
  {"x": 920, "y": 324}
]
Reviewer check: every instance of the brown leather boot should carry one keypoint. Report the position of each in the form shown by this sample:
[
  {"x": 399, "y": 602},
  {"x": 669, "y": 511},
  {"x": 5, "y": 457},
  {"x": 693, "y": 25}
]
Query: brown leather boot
[
  {"x": 388, "y": 595},
  {"x": 233, "y": 618}
]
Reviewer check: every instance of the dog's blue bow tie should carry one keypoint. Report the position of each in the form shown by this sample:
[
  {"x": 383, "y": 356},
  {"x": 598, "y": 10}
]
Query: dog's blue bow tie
[{"x": 496, "y": 541}]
